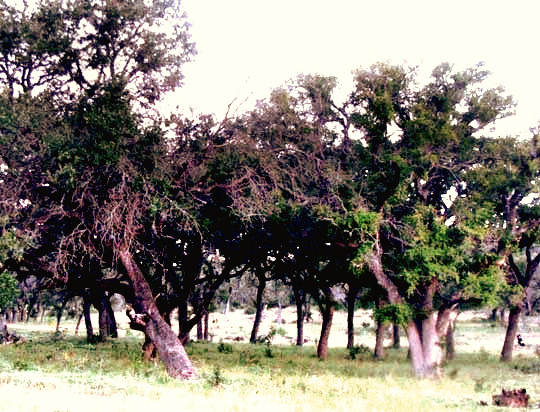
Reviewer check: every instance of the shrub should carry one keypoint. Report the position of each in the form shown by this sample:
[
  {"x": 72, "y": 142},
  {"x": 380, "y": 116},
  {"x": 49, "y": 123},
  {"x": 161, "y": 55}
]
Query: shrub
[{"x": 225, "y": 348}]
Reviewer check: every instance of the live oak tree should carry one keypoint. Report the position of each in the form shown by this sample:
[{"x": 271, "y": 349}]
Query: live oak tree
[
  {"x": 503, "y": 185},
  {"x": 407, "y": 175},
  {"x": 85, "y": 160}
]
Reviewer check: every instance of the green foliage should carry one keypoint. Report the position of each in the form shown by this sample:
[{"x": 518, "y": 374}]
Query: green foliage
[
  {"x": 225, "y": 348},
  {"x": 399, "y": 314},
  {"x": 359, "y": 350},
  {"x": 8, "y": 290}
]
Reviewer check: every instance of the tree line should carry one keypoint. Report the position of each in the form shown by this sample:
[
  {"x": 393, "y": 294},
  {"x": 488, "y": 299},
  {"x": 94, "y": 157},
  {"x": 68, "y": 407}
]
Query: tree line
[{"x": 393, "y": 190}]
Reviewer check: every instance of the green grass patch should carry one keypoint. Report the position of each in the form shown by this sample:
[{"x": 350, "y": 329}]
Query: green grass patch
[{"x": 64, "y": 373}]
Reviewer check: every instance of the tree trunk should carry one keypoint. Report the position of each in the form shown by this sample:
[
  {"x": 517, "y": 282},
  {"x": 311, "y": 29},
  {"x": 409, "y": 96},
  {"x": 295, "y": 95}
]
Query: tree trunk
[
  {"x": 395, "y": 332},
  {"x": 300, "y": 299},
  {"x": 279, "y": 320},
  {"x": 511, "y": 332},
  {"x": 183, "y": 316},
  {"x": 206, "y": 318},
  {"x": 416, "y": 352},
  {"x": 431, "y": 345},
  {"x": 259, "y": 307},
  {"x": 424, "y": 345},
  {"x": 379, "y": 341},
  {"x": 445, "y": 328},
  {"x": 200, "y": 333},
  {"x": 351, "y": 301},
  {"x": 78, "y": 325},
  {"x": 450, "y": 342},
  {"x": 168, "y": 346},
  {"x": 88, "y": 320},
  {"x": 60, "y": 312},
  {"x": 106, "y": 318},
  {"x": 327, "y": 312}
]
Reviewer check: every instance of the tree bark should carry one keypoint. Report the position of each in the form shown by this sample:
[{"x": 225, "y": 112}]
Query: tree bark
[
  {"x": 106, "y": 318},
  {"x": 183, "y": 317},
  {"x": 445, "y": 328},
  {"x": 159, "y": 333},
  {"x": 60, "y": 312},
  {"x": 378, "y": 353},
  {"x": 206, "y": 318},
  {"x": 300, "y": 300},
  {"x": 431, "y": 345},
  {"x": 422, "y": 354},
  {"x": 200, "y": 333},
  {"x": 259, "y": 307},
  {"x": 416, "y": 352},
  {"x": 88, "y": 320},
  {"x": 351, "y": 301},
  {"x": 511, "y": 332},
  {"x": 327, "y": 312},
  {"x": 450, "y": 341},
  {"x": 396, "y": 339}
]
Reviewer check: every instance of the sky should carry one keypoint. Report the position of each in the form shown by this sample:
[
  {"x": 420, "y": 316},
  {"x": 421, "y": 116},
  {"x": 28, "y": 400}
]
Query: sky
[{"x": 246, "y": 48}]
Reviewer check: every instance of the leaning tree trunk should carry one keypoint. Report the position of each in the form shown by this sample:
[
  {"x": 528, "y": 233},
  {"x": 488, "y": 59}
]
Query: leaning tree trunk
[
  {"x": 148, "y": 318},
  {"x": 327, "y": 311},
  {"x": 259, "y": 306},
  {"x": 511, "y": 332}
]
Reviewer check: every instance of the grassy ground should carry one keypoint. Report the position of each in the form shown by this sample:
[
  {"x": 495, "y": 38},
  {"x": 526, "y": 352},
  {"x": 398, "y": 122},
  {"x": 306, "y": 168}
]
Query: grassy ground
[{"x": 63, "y": 373}]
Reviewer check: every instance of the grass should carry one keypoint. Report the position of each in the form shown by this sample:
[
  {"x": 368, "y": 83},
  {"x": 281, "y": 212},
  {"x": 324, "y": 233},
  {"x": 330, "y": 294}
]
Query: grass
[{"x": 64, "y": 373}]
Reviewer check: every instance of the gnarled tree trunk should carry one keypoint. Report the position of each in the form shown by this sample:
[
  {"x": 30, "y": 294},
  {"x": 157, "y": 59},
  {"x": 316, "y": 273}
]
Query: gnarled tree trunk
[
  {"x": 424, "y": 345},
  {"x": 158, "y": 332}
]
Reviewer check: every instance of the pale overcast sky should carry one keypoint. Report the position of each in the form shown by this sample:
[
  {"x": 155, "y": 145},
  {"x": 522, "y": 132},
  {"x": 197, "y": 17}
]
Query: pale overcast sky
[{"x": 248, "y": 47}]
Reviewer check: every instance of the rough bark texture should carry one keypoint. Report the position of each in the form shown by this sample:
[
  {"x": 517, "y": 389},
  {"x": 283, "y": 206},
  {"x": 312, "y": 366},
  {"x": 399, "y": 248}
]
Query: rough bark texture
[
  {"x": 158, "y": 332},
  {"x": 511, "y": 332}
]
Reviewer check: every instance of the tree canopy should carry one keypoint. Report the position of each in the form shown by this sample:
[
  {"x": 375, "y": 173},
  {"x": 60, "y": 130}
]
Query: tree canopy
[{"x": 394, "y": 188}]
